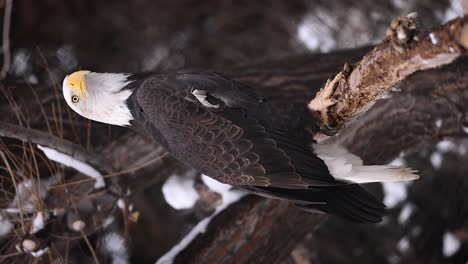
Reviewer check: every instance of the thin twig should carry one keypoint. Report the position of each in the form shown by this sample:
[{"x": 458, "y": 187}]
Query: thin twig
[
  {"x": 16, "y": 109},
  {"x": 6, "y": 39},
  {"x": 5, "y": 160},
  {"x": 36, "y": 97},
  {"x": 90, "y": 247},
  {"x": 57, "y": 90}
]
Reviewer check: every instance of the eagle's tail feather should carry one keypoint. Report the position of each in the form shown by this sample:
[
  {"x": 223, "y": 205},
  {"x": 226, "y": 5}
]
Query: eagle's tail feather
[
  {"x": 345, "y": 166},
  {"x": 380, "y": 173},
  {"x": 349, "y": 201}
]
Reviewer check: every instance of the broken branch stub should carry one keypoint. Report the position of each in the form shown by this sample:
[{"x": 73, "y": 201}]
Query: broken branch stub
[{"x": 404, "y": 51}]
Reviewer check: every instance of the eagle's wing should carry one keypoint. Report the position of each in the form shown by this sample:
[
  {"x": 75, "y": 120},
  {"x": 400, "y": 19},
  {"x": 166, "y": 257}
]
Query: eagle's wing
[
  {"x": 228, "y": 132},
  {"x": 216, "y": 126}
]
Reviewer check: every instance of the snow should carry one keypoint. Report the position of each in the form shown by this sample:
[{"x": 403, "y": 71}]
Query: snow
[
  {"x": 315, "y": 31},
  {"x": 40, "y": 252},
  {"x": 28, "y": 194},
  {"x": 108, "y": 221},
  {"x": 454, "y": 10},
  {"x": 451, "y": 244},
  {"x": 436, "y": 159},
  {"x": 405, "y": 213},
  {"x": 38, "y": 223},
  {"x": 114, "y": 245},
  {"x": 438, "y": 123},
  {"x": 403, "y": 245},
  {"x": 32, "y": 79},
  {"x": 5, "y": 226},
  {"x": 20, "y": 62},
  {"x": 401, "y": 35},
  {"x": 445, "y": 146},
  {"x": 67, "y": 59},
  {"x": 465, "y": 129},
  {"x": 179, "y": 192},
  {"x": 121, "y": 203},
  {"x": 434, "y": 38},
  {"x": 400, "y": 4},
  {"x": 398, "y": 162},
  {"x": 413, "y": 15},
  {"x": 155, "y": 57},
  {"x": 215, "y": 185},
  {"x": 229, "y": 197},
  {"x": 80, "y": 166},
  {"x": 395, "y": 192}
]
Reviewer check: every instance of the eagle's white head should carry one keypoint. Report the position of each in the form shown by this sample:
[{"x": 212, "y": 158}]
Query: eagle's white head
[{"x": 99, "y": 96}]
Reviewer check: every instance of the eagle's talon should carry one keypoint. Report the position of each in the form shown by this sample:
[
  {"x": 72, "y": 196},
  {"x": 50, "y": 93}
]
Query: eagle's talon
[{"x": 329, "y": 130}]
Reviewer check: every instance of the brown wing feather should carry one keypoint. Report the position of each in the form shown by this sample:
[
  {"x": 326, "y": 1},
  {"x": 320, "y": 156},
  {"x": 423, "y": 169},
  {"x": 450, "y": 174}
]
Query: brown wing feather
[{"x": 239, "y": 154}]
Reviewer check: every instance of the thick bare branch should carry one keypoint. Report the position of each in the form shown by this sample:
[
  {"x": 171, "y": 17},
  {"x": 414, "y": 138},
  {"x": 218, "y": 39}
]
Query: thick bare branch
[
  {"x": 260, "y": 229},
  {"x": 403, "y": 52}
]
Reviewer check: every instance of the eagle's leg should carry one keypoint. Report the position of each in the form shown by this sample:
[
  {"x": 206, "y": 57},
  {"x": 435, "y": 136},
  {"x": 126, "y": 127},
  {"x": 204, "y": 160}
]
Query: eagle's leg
[{"x": 323, "y": 101}]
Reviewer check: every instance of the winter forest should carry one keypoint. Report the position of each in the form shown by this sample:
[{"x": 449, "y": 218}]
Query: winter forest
[{"x": 384, "y": 79}]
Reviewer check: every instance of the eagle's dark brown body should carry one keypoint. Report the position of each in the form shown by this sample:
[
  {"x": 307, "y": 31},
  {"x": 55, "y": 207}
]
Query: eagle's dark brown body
[{"x": 240, "y": 138}]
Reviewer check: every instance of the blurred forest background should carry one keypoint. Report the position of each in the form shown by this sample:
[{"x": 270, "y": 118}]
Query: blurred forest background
[{"x": 428, "y": 219}]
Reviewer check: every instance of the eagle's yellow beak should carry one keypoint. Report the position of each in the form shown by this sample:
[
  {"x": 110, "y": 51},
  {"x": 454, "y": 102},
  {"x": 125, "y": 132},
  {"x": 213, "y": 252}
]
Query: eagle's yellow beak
[{"x": 76, "y": 82}]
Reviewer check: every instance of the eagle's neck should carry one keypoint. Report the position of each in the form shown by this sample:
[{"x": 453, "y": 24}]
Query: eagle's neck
[{"x": 107, "y": 95}]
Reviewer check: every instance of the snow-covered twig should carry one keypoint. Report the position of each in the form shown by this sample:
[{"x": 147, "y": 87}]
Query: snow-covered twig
[{"x": 80, "y": 166}]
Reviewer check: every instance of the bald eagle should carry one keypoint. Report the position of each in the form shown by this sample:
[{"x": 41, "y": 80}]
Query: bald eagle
[{"x": 230, "y": 132}]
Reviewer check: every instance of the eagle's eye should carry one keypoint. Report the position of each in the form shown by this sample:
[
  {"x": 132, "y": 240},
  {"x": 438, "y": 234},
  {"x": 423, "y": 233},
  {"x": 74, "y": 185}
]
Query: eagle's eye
[{"x": 75, "y": 99}]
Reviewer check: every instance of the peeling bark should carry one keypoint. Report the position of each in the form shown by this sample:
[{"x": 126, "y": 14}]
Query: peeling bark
[{"x": 403, "y": 52}]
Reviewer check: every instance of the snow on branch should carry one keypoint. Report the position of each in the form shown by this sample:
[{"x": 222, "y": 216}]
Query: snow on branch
[
  {"x": 404, "y": 51},
  {"x": 61, "y": 145},
  {"x": 80, "y": 166},
  {"x": 229, "y": 197}
]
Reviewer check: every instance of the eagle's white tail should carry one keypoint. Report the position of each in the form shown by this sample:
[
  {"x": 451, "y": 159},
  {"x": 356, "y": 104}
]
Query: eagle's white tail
[{"x": 346, "y": 166}]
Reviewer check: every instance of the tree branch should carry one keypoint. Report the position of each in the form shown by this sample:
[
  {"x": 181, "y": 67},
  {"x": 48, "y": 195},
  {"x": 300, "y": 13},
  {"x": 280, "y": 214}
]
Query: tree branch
[
  {"x": 38, "y": 137},
  {"x": 248, "y": 230},
  {"x": 254, "y": 226},
  {"x": 403, "y": 52}
]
